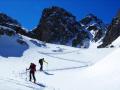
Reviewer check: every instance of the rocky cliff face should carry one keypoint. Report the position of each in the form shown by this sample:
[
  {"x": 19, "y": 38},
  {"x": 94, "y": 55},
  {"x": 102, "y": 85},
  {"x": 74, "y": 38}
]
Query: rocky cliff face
[
  {"x": 113, "y": 31},
  {"x": 4, "y": 19},
  {"x": 8, "y": 22},
  {"x": 96, "y": 27},
  {"x": 10, "y": 28},
  {"x": 59, "y": 26}
]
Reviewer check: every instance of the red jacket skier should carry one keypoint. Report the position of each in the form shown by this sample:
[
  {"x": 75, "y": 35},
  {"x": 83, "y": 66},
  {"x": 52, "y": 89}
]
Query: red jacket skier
[{"x": 32, "y": 69}]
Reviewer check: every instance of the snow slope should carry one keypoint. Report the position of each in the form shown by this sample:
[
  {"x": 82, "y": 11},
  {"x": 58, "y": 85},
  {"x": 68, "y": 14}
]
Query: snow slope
[
  {"x": 10, "y": 47},
  {"x": 116, "y": 43},
  {"x": 101, "y": 76},
  {"x": 68, "y": 69}
]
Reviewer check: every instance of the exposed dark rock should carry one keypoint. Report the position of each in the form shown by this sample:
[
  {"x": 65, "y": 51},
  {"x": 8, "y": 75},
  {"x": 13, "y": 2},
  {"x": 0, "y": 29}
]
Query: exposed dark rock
[
  {"x": 113, "y": 32},
  {"x": 95, "y": 26},
  {"x": 10, "y": 23},
  {"x": 59, "y": 26},
  {"x": 4, "y": 19}
]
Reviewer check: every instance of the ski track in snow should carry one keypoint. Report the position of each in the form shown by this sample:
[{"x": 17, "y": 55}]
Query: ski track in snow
[
  {"x": 77, "y": 61},
  {"x": 19, "y": 78}
]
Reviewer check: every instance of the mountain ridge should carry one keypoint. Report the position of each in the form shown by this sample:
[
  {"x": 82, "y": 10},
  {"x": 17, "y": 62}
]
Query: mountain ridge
[{"x": 59, "y": 26}]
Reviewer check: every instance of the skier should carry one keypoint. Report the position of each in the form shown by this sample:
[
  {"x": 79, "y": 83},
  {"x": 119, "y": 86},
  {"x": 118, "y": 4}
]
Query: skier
[
  {"x": 32, "y": 69},
  {"x": 41, "y": 63}
]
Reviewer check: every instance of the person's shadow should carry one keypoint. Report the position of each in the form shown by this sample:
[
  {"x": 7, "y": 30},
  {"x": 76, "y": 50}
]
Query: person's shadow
[{"x": 47, "y": 73}]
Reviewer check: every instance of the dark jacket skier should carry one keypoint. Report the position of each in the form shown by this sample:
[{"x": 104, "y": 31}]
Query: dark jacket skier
[
  {"x": 32, "y": 69},
  {"x": 41, "y": 63}
]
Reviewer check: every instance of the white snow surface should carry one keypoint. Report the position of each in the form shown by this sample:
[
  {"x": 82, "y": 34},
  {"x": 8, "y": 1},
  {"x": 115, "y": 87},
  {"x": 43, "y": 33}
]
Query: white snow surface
[
  {"x": 116, "y": 43},
  {"x": 68, "y": 68}
]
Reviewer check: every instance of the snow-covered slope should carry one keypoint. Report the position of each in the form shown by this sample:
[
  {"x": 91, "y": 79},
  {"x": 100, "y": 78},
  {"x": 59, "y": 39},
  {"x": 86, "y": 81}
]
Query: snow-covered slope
[
  {"x": 104, "y": 75},
  {"x": 115, "y": 43},
  {"x": 12, "y": 46},
  {"x": 68, "y": 68},
  {"x": 11, "y": 43}
]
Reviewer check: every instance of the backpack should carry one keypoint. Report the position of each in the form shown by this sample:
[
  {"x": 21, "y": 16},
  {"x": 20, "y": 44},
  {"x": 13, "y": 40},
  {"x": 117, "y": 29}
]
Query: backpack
[
  {"x": 41, "y": 60},
  {"x": 33, "y": 67}
]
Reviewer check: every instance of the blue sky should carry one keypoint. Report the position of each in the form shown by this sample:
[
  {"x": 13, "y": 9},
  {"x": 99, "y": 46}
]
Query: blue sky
[{"x": 28, "y": 12}]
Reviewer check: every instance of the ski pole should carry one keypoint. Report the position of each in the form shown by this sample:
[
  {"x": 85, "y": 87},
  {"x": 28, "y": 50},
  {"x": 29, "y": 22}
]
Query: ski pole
[
  {"x": 47, "y": 66},
  {"x": 26, "y": 75}
]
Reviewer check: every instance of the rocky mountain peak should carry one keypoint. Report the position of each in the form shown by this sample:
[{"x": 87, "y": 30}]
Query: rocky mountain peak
[
  {"x": 54, "y": 10},
  {"x": 89, "y": 19},
  {"x": 95, "y": 25},
  {"x": 57, "y": 24},
  {"x": 7, "y": 24},
  {"x": 5, "y": 19},
  {"x": 118, "y": 13},
  {"x": 113, "y": 32}
]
